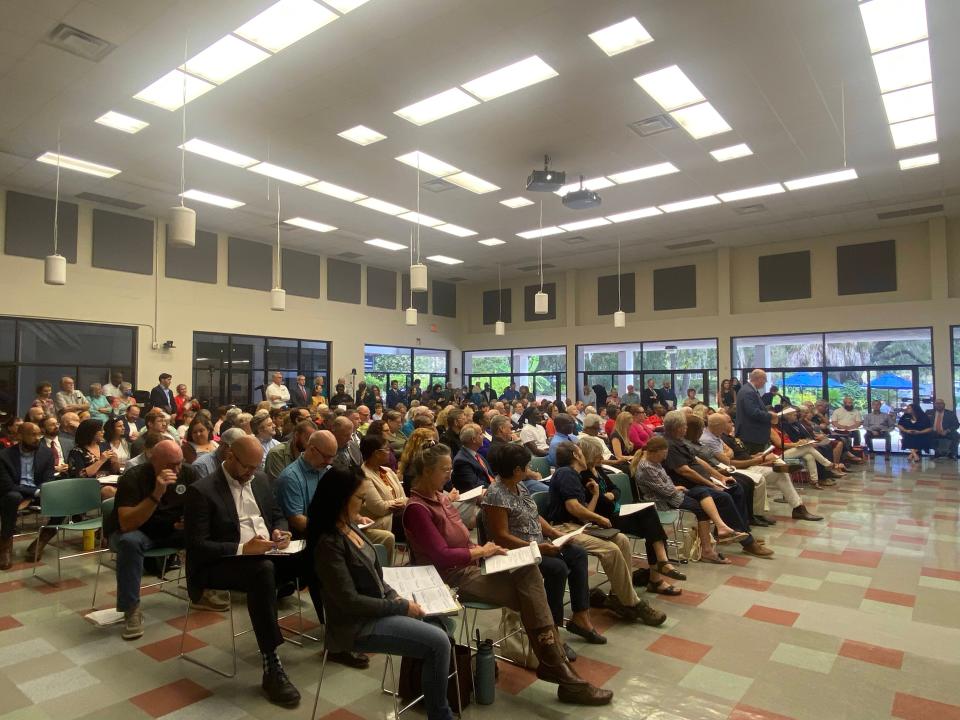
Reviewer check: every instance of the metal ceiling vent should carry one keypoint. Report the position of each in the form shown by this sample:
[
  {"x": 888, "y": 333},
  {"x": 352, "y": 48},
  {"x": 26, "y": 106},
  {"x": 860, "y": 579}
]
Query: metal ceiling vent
[
  {"x": 653, "y": 125},
  {"x": 531, "y": 268},
  {"x": 690, "y": 244},
  {"x": 438, "y": 185},
  {"x": 750, "y": 209},
  {"x": 107, "y": 200},
  {"x": 77, "y": 42},
  {"x": 925, "y": 210},
  {"x": 349, "y": 255}
]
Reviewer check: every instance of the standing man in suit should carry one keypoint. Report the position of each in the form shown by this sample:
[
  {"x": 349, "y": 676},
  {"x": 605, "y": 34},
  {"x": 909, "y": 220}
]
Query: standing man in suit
[
  {"x": 668, "y": 398},
  {"x": 649, "y": 397},
  {"x": 299, "y": 394},
  {"x": 24, "y": 467},
  {"x": 488, "y": 394},
  {"x": 753, "y": 419},
  {"x": 161, "y": 396},
  {"x": 945, "y": 424},
  {"x": 232, "y": 521}
]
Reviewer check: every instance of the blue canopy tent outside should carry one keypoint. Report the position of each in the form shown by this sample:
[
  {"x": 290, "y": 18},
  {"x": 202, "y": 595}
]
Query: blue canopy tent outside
[
  {"x": 888, "y": 381},
  {"x": 808, "y": 379}
]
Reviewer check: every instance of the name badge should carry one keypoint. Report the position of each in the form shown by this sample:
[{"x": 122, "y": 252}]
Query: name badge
[{"x": 181, "y": 489}]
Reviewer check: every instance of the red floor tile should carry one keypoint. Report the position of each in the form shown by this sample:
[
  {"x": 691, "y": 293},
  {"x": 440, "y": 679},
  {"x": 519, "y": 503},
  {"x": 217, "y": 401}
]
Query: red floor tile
[
  {"x": 911, "y": 707},
  {"x": 748, "y": 712},
  {"x": 170, "y": 647},
  {"x": 876, "y": 492},
  {"x": 913, "y": 540},
  {"x": 11, "y": 585},
  {"x": 748, "y": 583},
  {"x": 594, "y": 671},
  {"x": 929, "y": 483},
  {"x": 689, "y": 597},
  {"x": 167, "y": 698},
  {"x": 893, "y": 598},
  {"x": 738, "y": 559},
  {"x": 514, "y": 679},
  {"x": 8, "y": 622},
  {"x": 686, "y": 650},
  {"x": 946, "y": 516},
  {"x": 872, "y": 654},
  {"x": 47, "y": 589},
  {"x": 197, "y": 620},
  {"x": 803, "y": 532},
  {"x": 341, "y": 714},
  {"x": 772, "y": 615},
  {"x": 859, "y": 558},
  {"x": 938, "y": 573},
  {"x": 914, "y": 523},
  {"x": 844, "y": 525}
]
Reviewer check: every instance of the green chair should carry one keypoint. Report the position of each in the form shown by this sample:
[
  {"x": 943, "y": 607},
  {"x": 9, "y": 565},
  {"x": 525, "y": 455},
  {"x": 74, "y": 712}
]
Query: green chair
[
  {"x": 66, "y": 498},
  {"x": 542, "y": 499},
  {"x": 540, "y": 465},
  {"x": 622, "y": 481},
  {"x": 382, "y": 555}
]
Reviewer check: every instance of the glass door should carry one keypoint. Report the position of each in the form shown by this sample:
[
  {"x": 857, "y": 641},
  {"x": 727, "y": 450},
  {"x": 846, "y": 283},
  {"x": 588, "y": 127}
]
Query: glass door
[{"x": 894, "y": 388}]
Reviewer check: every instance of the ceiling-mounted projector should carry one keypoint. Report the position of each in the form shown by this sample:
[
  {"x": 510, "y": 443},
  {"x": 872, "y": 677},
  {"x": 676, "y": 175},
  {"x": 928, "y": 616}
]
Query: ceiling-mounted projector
[
  {"x": 546, "y": 180},
  {"x": 581, "y": 199}
]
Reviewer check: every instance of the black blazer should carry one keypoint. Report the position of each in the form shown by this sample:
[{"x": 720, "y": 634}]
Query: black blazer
[
  {"x": 10, "y": 467},
  {"x": 300, "y": 396},
  {"x": 467, "y": 472},
  {"x": 159, "y": 399},
  {"x": 753, "y": 418},
  {"x": 212, "y": 527},
  {"x": 950, "y": 421}
]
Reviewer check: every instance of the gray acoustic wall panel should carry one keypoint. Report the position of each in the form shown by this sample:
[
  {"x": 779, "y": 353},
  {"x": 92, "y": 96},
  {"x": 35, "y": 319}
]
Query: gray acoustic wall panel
[
  {"x": 381, "y": 288},
  {"x": 867, "y": 268},
  {"x": 444, "y": 299},
  {"x": 29, "y": 227},
  {"x": 491, "y": 308},
  {"x": 249, "y": 264},
  {"x": 608, "y": 298},
  {"x": 785, "y": 276},
  {"x": 343, "y": 281},
  {"x": 419, "y": 298},
  {"x": 122, "y": 242},
  {"x": 198, "y": 263},
  {"x": 528, "y": 302},
  {"x": 301, "y": 273},
  {"x": 675, "y": 287}
]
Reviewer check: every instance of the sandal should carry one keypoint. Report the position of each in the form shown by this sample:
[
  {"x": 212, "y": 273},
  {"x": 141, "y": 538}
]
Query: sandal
[
  {"x": 717, "y": 559},
  {"x": 721, "y": 538},
  {"x": 672, "y": 573},
  {"x": 663, "y": 588}
]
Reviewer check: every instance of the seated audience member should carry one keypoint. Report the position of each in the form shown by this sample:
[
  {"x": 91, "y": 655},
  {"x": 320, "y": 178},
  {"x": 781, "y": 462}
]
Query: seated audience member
[
  {"x": 319, "y": 391},
  {"x": 456, "y": 419},
  {"x": 437, "y": 536},
  {"x": 86, "y": 459},
  {"x": 157, "y": 421},
  {"x": 132, "y": 424},
  {"x": 69, "y": 422},
  {"x": 630, "y": 397},
  {"x": 877, "y": 425},
  {"x": 533, "y": 436},
  {"x": 276, "y": 392},
  {"x": 361, "y": 420},
  {"x": 198, "y": 440},
  {"x": 502, "y": 436},
  {"x": 655, "y": 418},
  {"x": 44, "y": 399},
  {"x": 640, "y": 430},
  {"x": 297, "y": 482},
  {"x": 24, "y": 468},
  {"x": 231, "y": 521},
  {"x": 691, "y": 400},
  {"x": 574, "y": 502},
  {"x": 285, "y": 453},
  {"x": 565, "y": 431},
  {"x": 378, "y": 427},
  {"x": 183, "y": 403},
  {"x": 593, "y": 427},
  {"x": 847, "y": 421},
  {"x": 810, "y": 430},
  {"x": 10, "y": 431},
  {"x": 773, "y": 398},
  {"x": 263, "y": 428},
  {"x": 620, "y": 444},
  {"x": 340, "y": 397},
  {"x": 114, "y": 441},
  {"x": 348, "y": 447},
  {"x": 393, "y": 432},
  {"x": 470, "y": 470},
  {"x": 511, "y": 521},
  {"x": 944, "y": 423},
  {"x": 69, "y": 399},
  {"x": 208, "y": 463},
  {"x": 363, "y": 613},
  {"x": 916, "y": 431},
  {"x": 383, "y": 496},
  {"x": 418, "y": 440},
  {"x": 801, "y": 448},
  {"x": 588, "y": 395},
  {"x": 99, "y": 403},
  {"x": 728, "y": 398}
]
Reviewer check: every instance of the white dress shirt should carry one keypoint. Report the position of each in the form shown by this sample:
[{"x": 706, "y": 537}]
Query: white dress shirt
[
  {"x": 278, "y": 395},
  {"x": 251, "y": 521}
]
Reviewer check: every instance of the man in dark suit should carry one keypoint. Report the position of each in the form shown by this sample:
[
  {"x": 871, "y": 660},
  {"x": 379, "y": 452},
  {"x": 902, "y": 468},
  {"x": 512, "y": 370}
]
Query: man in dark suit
[
  {"x": 668, "y": 398},
  {"x": 945, "y": 424},
  {"x": 24, "y": 467},
  {"x": 753, "y": 418},
  {"x": 470, "y": 470},
  {"x": 488, "y": 394},
  {"x": 161, "y": 396},
  {"x": 232, "y": 521},
  {"x": 300, "y": 393}
]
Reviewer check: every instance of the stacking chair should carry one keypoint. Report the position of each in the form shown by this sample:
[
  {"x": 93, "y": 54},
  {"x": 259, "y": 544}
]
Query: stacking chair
[
  {"x": 540, "y": 465},
  {"x": 66, "y": 498}
]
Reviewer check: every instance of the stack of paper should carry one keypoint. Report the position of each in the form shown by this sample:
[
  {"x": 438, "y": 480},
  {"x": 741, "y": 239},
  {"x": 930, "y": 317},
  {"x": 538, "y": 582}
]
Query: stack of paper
[
  {"x": 516, "y": 558},
  {"x": 471, "y": 494},
  {"x": 104, "y": 618},
  {"x": 422, "y": 585},
  {"x": 108, "y": 479},
  {"x": 293, "y": 548},
  {"x": 564, "y": 539},
  {"x": 631, "y": 508}
]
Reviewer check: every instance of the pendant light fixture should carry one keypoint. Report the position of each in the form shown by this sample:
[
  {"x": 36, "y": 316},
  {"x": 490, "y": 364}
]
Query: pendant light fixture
[
  {"x": 500, "y": 328},
  {"x": 541, "y": 303},
  {"x": 278, "y": 296},
  {"x": 55, "y": 266},
  {"x": 418, "y": 271},
  {"x": 183, "y": 220},
  {"x": 619, "y": 317},
  {"x": 410, "y": 314}
]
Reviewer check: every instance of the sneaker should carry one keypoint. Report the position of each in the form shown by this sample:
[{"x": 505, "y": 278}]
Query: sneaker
[
  {"x": 648, "y": 615},
  {"x": 212, "y": 601},
  {"x": 278, "y": 688},
  {"x": 758, "y": 550},
  {"x": 132, "y": 624}
]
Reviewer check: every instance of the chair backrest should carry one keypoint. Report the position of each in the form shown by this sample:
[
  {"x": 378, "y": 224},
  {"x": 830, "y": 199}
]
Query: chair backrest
[
  {"x": 542, "y": 499},
  {"x": 69, "y": 496},
  {"x": 622, "y": 481},
  {"x": 106, "y": 507},
  {"x": 381, "y": 554},
  {"x": 540, "y": 465},
  {"x": 482, "y": 537}
]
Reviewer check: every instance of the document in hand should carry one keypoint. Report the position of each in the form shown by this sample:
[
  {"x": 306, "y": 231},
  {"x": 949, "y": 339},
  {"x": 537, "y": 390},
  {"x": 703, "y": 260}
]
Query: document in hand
[
  {"x": 108, "y": 479},
  {"x": 471, "y": 494},
  {"x": 754, "y": 473},
  {"x": 422, "y": 585},
  {"x": 632, "y": 508},
  {"x": 293, "y": 548},
  {"x": 564, "y": 539},
  {"x": 770, "y": 449},
  {"x": 516, "y": 558}
]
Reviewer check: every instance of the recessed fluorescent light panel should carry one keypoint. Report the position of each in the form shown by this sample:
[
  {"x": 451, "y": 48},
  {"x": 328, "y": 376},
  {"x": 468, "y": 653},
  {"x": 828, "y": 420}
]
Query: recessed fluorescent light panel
[
  {"x": 345, "y": 6},
  {"x": 914, "y": 132},
  {"x": 752, "y": 192},
  {"x": 903, "y": 67},
  {"x": 385, "y": 244},
  {"x": 731, "y": 153},
  {"x": 437, "y": 106},
  {"x": 85, "y": 166},
  {"x": 634, "y": 214},
  {"x": 510, "y": 78},
  {"x": 701, "y": 120},
  {"x": 428, "y": 164},
  {"x": 221, "y": 154},
  {"x": 891, "y": 23},
  {"x": 362, "y": 135},
  {"x": 310, "y": 224},
  {"x": 285, "y": 22},
  {"x": 211, "y": 199},
  {"x": 691, "y": 204},
  {"x": 121, "y": 122},
  {"x": 643, "y": 173},
  {"x": 456, "y": 230},
  {"x": 167, "y": 92},
  {"x": 918, "y": 162},
  {"x": 670, "y": 88},
  {"x": 444, "y": 259},
  {"x": 421, "y": 219},
  {"x": 597, "y": 183},
  {"x": 539, "y": 232},
  {"x": 909, "y": 103},
  {"x": 472, "y": 183},
  {"x": 516, "y": 202},
  {"x": 341, "y": 193},
  {"x": 585, "y": 224},
  {"x": 621, "y": 36},
  {"x": 381, "y": 206},
  {"x": 281, "y": 173},
  {"x": 226, "y": 58},
  {"x": 824, "y": 179},
  {"x": 492, "y": 242}
]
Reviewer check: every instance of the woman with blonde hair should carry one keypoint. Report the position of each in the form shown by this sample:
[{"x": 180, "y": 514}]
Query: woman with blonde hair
[
  {"x": 418, "y": 440},
  {"x": 620, "y": 438}
]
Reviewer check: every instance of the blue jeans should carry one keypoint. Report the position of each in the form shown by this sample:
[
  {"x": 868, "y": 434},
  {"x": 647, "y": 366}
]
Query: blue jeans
[
  {"x": 130, "y": 547},
  {"x": 407, "y": 637},
  {"x": 534, "y": 486},
  {"x": 569, "y": 568}
]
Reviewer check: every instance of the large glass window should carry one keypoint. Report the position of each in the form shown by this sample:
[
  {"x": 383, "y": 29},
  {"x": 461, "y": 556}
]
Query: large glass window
[
  {"x": 955, "y": 342},
  {"x": 542, "y": 370},
  {"x": 382, "y": 364}
]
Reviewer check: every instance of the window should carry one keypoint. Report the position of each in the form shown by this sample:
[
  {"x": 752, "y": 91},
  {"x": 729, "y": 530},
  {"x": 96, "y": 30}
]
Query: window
[
  {"x": 382, "y": 364},
  {"x": 955, "y": 342},
  {"x": 542, "y": 370},
  {"x": 234, "y": 369}
]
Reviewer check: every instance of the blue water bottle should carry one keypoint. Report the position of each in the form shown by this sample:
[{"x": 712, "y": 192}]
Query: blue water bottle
[{"x": 484, "y": 680}]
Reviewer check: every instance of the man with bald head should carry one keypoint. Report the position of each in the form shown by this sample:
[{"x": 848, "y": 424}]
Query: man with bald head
[
  {"x": 147, "y": 513},
  {"x": 348, "y": 450},
  {"x": 298, "y": 481},
  {"x": 753, "y": 418},
  {"x": 24, "y": 467}
]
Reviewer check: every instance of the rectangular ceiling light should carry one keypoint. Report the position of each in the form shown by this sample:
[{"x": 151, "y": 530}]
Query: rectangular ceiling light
[
  {"x": 634, "y": 214},
  {"x": 281, "y": 173},
  {"x": 211, "y": 199},
  {"x": 385, "y": 244},
  {"x": 472, "y": 183},
  {"x": 701, "y": 120},
  {"x": 585, "y": 224},
  {"x": 539, "y": 232},
  {"x": 121, "y": 122},
  {"x": 751, "y": 192},
  {"x": 341, "y": 193},
  {"x": 78, "y": 165},
  {"x": 670, "y": 88},
  {"x": 362, "y": 135},
  {"x": 492, "y": 242},
  {"x": 891, "y": 23},
  {"x": 437, "y": 106},
  {"x": 909, "y": 103},
  {"x": 643, "y": 173},
  {"x": 310, "y": 224},
  {"x": 444, "y": 259},
  {"x": 285, "y": 22},
  {"x": 221, "y": 154},
  {"x": 451, "y": 229},
  {"x": 622, "y": 36},
  {"x": 597, "y": 183},
  {"x": 691, "y": 204},
  {"x": 511, "y": 78},
  {"x": 167, "y": 92},
  {"x": 824, "y": 179},
  {"x": 428, "y": 164},
  {"x": 516, "y": 202},
  {"x": 914, "y": 132},
  {"x": 903, "y": 67},
  {"x": 731, "y": 153},
  {"x": 421, "y": 219},
  {"x": 345, "y": 6},
  {"x": 227, "y": 57},
  {"x": 920, "y": 161},
  {"x": 381, "y": 206}
]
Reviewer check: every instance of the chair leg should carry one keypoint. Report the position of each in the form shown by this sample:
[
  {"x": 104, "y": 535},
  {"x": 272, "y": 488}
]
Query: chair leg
[
  {"x": 96, "y": 580},
  {"x": 316, "y": 700},
  {"x": 233, "y": 643}
]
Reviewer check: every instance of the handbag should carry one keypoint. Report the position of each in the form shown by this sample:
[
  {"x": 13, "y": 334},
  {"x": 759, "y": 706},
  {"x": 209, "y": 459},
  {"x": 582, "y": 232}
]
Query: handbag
[
  {"x": 691, "y": 549},
  {"x": 515, "y": 645},
  {"x": 602, "y": 533},
  {"x": 410, "y": 684}
]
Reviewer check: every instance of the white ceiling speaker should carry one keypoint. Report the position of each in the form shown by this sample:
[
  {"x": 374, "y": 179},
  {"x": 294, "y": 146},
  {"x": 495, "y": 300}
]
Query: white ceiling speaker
[
  {"x": 410, "y": 316},
  {"x": 183, "y": 227},
  {"x": 278, "y": 299},
  {"x": 55, "y": 270},
  {"x": 619, "y": 319},
  {"x": 500, "y": 328},
  {"x": 418, "y": 277},
  {"x": 541, "y": 303}
]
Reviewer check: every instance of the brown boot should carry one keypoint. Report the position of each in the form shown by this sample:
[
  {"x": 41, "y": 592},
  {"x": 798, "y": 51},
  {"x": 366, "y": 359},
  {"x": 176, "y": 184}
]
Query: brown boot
[
  {"x": 554, "y": 668},
  {"x": 34, "y": 550},
  {"x": 800, "y": 512},
  {"x": 6, "y": 553}
]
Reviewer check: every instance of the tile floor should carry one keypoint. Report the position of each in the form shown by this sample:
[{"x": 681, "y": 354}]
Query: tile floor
[{"x": 856, "y": 617}]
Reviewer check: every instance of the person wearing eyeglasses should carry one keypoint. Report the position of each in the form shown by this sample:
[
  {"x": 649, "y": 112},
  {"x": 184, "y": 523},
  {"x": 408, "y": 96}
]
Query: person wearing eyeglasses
[{"x": 383, "y": 496}]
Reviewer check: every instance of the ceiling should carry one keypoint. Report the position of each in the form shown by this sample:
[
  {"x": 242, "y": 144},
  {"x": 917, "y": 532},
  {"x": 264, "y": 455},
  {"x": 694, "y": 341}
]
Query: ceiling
[{"x": 775, "y": 69}]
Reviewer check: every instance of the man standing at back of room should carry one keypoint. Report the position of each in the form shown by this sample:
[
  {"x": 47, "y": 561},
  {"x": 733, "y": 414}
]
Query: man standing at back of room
[
  {"x": 753, "y": 419},
  {"x": 161, "y": 396}
]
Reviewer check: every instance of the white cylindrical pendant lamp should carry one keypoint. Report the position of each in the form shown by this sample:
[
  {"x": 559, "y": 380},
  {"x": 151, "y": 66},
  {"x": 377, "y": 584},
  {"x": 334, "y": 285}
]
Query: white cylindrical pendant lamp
[
  {"x": 500, "y": 328},
  {"x": 278, "y": 299},
  {"x": 55, "y": 270},
  {"x": 619, "y": 319},
  {"x": 410, "y": 316},
  {"x": 183, "y": 227},
  {"x": 418, "y": 277},
  {"x": 541, "y": 303}
]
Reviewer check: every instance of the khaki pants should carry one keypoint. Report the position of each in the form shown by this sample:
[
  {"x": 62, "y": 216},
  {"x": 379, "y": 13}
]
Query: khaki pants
[
  {"x": 615, "y": 558},
  {"x": 382, "y": 537},
  {"x": 520, "y": 590},
  {"x": 760, "y": 496}
]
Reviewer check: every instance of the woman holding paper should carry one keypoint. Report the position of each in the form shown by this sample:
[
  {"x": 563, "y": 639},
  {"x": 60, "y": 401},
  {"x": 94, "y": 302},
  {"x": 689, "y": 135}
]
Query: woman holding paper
[
  {"x": 437, "y": 536},
  {"x": 802, "y": 449},
  {"x": 383, "y": 495}
]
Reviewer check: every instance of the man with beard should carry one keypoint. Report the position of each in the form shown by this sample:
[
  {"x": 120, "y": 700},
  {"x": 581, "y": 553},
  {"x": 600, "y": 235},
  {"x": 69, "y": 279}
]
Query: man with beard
[{"x": 24, "y": 467}]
